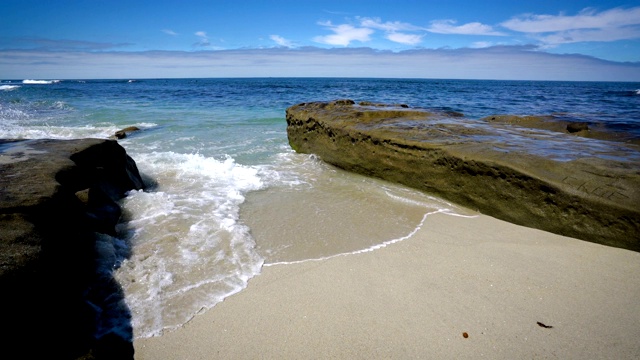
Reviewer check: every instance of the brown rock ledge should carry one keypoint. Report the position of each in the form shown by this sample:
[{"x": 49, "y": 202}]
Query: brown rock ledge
[
  {"x": 570, "y": 185},
  {"x": 55, "y": 197}
]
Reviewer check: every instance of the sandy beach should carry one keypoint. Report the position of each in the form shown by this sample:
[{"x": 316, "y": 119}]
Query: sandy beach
[{"x": 460, "y": 288}]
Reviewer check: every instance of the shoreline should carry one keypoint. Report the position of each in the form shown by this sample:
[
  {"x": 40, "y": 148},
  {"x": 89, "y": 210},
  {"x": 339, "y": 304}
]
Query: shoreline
[{"x": 416, "y": 298}]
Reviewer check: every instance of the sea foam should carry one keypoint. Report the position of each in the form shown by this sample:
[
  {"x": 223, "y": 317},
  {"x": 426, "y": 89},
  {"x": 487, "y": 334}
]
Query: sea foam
[{"x": 189, "y": 251}]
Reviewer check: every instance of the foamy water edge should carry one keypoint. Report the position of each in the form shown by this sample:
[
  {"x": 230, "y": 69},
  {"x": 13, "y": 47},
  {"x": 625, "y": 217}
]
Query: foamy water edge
[{"x": 377, "y": 246}]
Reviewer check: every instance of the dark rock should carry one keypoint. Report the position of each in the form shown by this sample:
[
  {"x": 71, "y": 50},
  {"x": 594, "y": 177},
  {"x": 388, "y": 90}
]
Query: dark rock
[
  {"x": 121, "y": 134},
  {"x": 112, "y": 346},
  {"x": 369, "y": 103},
  {"x": 588, "y": 190},
  {"x": 452, "y": 113},
  {"x": 55, "y": 196},
  {"x": 575, "y": 127},
  {"x": 345, "y": 102}
]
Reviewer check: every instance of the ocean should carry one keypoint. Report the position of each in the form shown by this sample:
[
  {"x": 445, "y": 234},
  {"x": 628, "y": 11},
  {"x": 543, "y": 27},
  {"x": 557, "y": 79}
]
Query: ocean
[{"x": 227, "y": 195}]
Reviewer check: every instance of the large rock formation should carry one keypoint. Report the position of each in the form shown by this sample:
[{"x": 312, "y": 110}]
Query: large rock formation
[
  {"x": 55, "y": 196},
  {"x": 537, "y": 177}
]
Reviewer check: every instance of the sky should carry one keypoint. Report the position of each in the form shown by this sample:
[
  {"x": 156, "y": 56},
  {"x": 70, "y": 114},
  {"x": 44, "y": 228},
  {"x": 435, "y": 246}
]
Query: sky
[{"x": 452, "y": 39}]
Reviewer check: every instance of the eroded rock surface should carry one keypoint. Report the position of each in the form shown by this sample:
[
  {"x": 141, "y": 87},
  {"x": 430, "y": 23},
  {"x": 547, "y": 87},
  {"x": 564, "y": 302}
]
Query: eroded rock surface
[
  {"x": 530, "y": 175},
  {"x": 55, "y": 196}
]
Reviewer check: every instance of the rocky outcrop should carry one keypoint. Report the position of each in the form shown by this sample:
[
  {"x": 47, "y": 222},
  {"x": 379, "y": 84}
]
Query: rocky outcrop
[
  {"x": 121, "y": 134},
  {"x": 55, "y": 197},
  {"x": 542, "y": 178}
]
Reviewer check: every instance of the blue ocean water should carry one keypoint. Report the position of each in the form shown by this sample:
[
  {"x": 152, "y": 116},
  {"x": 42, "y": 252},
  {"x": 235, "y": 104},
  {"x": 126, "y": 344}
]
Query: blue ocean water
[{"x": 229, "y": 196}]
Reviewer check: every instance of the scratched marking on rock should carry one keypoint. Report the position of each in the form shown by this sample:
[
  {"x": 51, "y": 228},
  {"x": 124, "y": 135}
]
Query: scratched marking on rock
[{"x": 609, "y": 191}]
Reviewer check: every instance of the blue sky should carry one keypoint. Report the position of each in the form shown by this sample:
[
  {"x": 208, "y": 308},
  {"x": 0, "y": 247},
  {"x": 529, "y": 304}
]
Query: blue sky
[{"x": 538, "y": 40}]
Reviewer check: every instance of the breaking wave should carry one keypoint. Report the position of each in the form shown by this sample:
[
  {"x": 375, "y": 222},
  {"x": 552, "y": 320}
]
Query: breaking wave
[
  {"x": 8, "y": 87},
  {"x": 40, "y": 82}
]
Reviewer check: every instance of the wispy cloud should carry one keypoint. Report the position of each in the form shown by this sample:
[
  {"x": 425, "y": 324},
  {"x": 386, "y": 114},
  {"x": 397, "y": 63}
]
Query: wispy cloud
[
  {"x": 281, "y": 41},
  {"x": 395, "y": 31},
  {"x": 204, "y": 39},
  {"x": 472, "y": 28},
  {"x": 169, "y": 32},
  {"x": 343, "y": 34},
  {"x": 604, "y": 35},
  {"x": 67, "y": 45},
  {"x": 481, "y": 44},
  {"x": 406, "y": 39},
  {"x": 588, "y": 25},
  {"x": 333, "y": 12},
  {"x": 389, "y": 26},
  {"x": 586, "y": 19}
]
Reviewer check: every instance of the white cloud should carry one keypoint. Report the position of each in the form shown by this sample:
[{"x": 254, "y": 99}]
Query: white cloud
[
  {"x": 406, "y": 39},
  {"x": 389, "y": 26},
  {"x": 169, "y": 32},
  {"x": 604, "y": 35},
  {"x": 481, "y": 44},
  {"x": 281, "y": 41},
  {"x": 473, "y": 28},
  {"x": 497, "y": 62},
  {"x": 399, "y": 32},
  {"x": 588, "y": 25},
  {"x": 343, "y": 34},
  {"x": 204, "y": 39},
  {"x": 396, "y": 31},
  {"x": 586, "y": 19}
]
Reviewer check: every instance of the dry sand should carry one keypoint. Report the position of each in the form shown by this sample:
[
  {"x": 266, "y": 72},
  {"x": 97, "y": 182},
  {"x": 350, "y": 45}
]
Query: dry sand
[{"x": 482, "y": 277}]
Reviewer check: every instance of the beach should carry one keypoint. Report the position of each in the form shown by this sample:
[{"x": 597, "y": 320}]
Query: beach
[
  {"x": 241, "y": 247},
  {"x": 458, "y": 288}
]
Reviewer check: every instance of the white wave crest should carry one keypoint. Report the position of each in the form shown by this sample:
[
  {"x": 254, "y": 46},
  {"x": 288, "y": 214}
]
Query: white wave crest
[
  {"x": 190, "y": 249},
  {"x": 40, "y": 82},
  {"x": 8, "y": 87}
]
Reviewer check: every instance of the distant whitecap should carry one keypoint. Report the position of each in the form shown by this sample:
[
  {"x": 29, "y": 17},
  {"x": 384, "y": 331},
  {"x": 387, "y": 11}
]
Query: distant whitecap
[
  {"x": 40, "y": 82},
  {"x": 8, "y": 87}
]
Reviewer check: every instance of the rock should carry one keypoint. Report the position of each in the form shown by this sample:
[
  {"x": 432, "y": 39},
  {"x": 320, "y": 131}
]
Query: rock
[
  {"x": 112, "y": 346},
  {"x": 369, "y": 103},
  {"x": 576, "y": 127},
  {"x": 583, "y": 188},
  {"x": 345, "y": 102},
  {"x": 55, "y": 196},
  {"x": 121, "y": 134},
  {"x": 562, "y": 123}
]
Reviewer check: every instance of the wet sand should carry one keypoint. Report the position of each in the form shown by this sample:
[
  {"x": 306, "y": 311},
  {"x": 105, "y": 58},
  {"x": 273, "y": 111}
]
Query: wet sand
[{"x": 496, "y": 282}]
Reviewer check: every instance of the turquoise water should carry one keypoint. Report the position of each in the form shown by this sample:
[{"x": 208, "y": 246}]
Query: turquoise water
[{"x": 228, "y": 196}]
